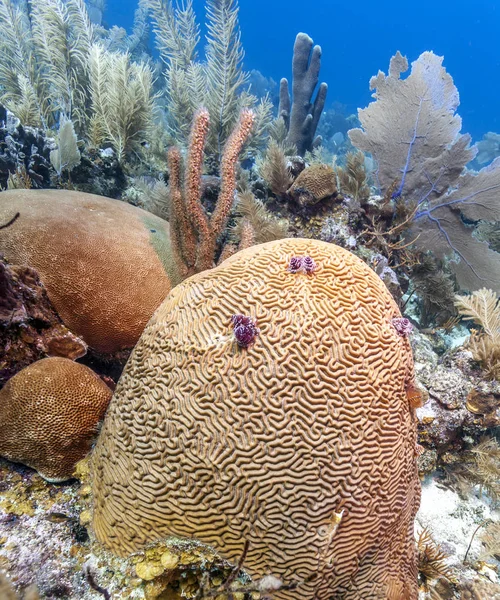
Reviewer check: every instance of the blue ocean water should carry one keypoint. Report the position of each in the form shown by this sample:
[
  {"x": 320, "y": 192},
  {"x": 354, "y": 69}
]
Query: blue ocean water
[{"x": 359, "y": 38}]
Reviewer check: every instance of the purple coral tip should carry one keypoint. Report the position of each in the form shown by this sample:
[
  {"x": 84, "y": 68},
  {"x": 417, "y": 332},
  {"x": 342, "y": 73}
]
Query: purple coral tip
[
  {"x": 304, "y": 264},
  {"x": 245, "y": 330},
  {"x": 402, "y": 326}
]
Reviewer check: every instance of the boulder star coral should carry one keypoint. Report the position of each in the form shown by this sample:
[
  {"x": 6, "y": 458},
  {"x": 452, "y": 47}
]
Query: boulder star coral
[{"x": 303, "y": 444}]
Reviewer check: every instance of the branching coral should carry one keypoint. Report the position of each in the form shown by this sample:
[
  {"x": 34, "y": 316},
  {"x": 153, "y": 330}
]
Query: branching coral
[
  {"x": 491, "y": 542},
  {"x": 353, "y": 178},
  {"x": 431, "y": 559},
  {"x": 412, "y": 131},
  {"x": 66, "y": 156},
  {"x": 483, "y": 307},
  {"x": 274, "y": 169},
  {"x": 264, "y": 227},
  {"x": 194, "y": 234},
  {"x": 44, "y": 61},
  {"x": 50, "y": 69},
  {"x": 436, "y": 289},
  {"x": 480, "y": 467}
]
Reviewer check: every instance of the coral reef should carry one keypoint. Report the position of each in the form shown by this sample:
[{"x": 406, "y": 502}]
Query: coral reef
[
  {"x": 49, "y": 413},
  {"x": 301, "y": 114},
  {"x": 105, "y": 264},
  {"x": 412, "y": 131},
  {"x": 281, "y": 443}
]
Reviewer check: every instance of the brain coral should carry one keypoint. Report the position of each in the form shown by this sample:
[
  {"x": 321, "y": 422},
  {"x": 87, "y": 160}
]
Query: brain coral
[
  {"x": 49, "y": 413},
  {"x": 314, "y": 184},
  {"x": 302, "y": 443},
  {"x": 102, "y": 261}
]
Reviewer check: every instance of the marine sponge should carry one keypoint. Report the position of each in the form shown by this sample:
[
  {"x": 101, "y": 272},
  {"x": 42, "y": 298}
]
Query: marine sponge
[
  {"x": 302, "y": 444},
  {"x": 314, "y": 184},
  {"x": 49, "y": 413},
  {"x": 104, "y": 263}
]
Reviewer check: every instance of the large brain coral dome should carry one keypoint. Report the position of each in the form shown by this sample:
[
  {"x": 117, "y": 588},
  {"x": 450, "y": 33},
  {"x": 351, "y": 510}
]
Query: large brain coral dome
[
  {"x": 301, "y": 441},
  {"x": 104, "y": 263}
]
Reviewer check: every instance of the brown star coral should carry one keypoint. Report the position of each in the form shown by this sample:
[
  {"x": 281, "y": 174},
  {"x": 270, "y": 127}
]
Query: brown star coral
[
  {"x": 49, "y": 413},
  {"x": 301, "y": 444}
]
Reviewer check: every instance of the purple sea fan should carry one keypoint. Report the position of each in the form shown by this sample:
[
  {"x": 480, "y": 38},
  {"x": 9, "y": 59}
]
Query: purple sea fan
[
  {"x": 402, "y": 326},
  {"x": 245, "y": 330}
]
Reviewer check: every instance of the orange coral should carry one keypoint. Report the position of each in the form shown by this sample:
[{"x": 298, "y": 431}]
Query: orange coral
[
  {"x": 301, "y": 443},
  {"x": 49, "y": 413},
  {"x": 198, "y": 228},
  {"x": 106, "y": 265}
]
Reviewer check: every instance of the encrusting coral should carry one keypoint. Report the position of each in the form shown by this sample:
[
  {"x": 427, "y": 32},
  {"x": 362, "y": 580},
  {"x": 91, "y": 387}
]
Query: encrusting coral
[
  {"x": 104, "y": 263},
  {"x": 49, "y": 413},
  {"x": 301, "y": 442}
]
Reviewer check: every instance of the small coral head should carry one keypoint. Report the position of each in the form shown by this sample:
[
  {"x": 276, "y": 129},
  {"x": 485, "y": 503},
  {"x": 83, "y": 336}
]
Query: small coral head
[
  {"x": 402, "y": 326},
  {"x": 302, "y": 264},
  {"x": 245, "y": 330}
]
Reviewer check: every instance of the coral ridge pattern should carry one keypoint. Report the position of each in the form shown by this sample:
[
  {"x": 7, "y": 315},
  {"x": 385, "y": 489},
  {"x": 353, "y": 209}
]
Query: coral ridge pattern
[{"x": 302, "y": 443}]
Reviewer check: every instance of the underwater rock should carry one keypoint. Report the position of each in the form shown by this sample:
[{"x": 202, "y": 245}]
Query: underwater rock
[
  {"x": 30, "y": 328},
  {"x": 381, "y": 267},
  {"x": 285, "y": 444},
  {"x": 104, "y": 263},
  {"x": 49, "y": 413},
  {"x": 99, "y": 172}
]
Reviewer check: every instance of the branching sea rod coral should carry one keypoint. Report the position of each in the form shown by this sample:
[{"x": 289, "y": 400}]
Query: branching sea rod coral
[
  {"x": 302, "y": 443},
  {"x": 194, "y": 234}
]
